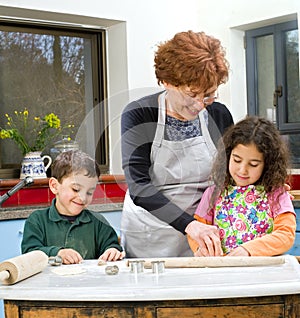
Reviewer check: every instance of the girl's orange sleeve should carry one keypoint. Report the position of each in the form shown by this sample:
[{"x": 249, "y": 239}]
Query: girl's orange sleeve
[
  {"x": 193, "y": 244},
  {"x": 279, "y": 241}
]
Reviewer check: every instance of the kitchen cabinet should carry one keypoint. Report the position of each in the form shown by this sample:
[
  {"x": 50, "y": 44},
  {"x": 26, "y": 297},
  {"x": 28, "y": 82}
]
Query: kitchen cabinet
[
  {"x": 10, "y": 239},
  {"x": 273, "y": 306},
  {"x": 295, "y": 250},
  {"x": 11, "y": 232},
  {"x": 242, "y": 292},
  {"x": 250, "y": 307}
]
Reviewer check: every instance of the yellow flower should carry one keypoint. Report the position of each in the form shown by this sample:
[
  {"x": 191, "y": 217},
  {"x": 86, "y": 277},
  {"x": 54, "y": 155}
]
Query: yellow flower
[
  {"x": 33, "y": 135},
  {"x": 52, "y": 120},
  {"x": 4, "y": 134}
]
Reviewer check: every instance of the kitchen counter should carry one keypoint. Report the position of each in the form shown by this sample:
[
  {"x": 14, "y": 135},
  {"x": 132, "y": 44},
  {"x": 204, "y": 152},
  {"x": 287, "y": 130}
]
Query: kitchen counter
[
  {"x": 147, "y": 294},
  {"x": 24, "y": 212},
  {"x": 296, "y": 204}
]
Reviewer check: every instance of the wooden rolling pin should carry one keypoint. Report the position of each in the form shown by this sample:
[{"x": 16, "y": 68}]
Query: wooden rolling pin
[
  {"x": 229, "y": 261},
  {"x": 18, "y": 268}
]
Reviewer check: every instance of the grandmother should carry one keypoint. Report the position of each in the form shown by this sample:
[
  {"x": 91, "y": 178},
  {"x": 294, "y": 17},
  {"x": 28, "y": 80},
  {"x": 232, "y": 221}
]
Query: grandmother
[{"x": 168, "y": 144}]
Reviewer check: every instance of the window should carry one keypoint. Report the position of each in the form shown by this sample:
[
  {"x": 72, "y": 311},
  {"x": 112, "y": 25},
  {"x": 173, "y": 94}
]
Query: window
[
  {"x": 50, "y": 69},
  {"x": 272, "y": 59}
]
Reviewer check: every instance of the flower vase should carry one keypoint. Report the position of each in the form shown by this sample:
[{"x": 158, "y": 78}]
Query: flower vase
[{"x": 33, "y": 165}]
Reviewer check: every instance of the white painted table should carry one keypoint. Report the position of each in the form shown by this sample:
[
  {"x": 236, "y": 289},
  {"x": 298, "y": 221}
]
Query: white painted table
[{"x": 268, "y": 291}]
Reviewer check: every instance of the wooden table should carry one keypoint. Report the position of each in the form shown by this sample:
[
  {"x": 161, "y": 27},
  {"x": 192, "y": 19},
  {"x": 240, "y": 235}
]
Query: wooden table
[
  {"x": 264, "y": 291},
  {"x": 249, "y": 307}
]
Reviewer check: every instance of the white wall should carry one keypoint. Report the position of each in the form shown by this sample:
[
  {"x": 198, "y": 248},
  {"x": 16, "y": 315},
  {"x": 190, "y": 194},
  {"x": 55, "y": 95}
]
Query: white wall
[{"x": 135, "y": 27}]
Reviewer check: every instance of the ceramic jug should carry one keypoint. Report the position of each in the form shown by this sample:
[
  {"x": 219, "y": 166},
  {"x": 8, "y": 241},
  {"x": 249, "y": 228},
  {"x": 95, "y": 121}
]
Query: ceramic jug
[{"x": 33, "y": 165}]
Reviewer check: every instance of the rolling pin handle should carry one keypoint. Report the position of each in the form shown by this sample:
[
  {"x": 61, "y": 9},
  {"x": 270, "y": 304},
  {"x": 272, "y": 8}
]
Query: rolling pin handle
[{"x": 4, "y": 275}]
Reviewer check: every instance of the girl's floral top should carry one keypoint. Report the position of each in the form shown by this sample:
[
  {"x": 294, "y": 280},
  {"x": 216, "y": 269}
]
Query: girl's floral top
[{"x": 242, "y": 214}]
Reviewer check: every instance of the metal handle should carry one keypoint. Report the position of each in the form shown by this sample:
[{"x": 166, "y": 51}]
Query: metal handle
[{"x": 277, "y": 93}]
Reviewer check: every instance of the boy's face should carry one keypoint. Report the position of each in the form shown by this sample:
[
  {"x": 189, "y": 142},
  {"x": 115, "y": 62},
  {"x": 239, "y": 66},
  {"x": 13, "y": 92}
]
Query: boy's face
[{"x": 74, "y": 193}]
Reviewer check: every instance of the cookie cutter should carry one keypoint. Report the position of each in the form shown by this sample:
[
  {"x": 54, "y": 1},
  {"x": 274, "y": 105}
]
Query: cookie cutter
[
  {"x": 55, "y": 260},
  {"x": 136, "y": 266},
  {"x": 158, "y": 267}
]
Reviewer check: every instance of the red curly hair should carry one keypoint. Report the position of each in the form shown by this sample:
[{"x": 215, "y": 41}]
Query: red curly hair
[{"x": 191, "y": 59}]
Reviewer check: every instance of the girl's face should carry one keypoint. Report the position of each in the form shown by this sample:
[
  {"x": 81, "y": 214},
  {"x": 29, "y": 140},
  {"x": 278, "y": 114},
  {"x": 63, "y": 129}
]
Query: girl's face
[
  {"x": 74, "y": 193},
  {"x": 246, "y": 164}
]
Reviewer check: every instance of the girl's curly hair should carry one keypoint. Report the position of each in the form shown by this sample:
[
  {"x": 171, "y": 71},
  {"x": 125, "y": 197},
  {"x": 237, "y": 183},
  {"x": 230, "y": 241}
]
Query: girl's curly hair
[
  {"x": 262, "y": 133},
  {"x": 191, "y": 59}
]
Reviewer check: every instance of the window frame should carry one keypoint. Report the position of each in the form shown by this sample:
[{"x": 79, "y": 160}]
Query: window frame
[
  {"x": 280, "y": 71},
  {"x": 277, "y": 31},
  {"x": 99, "y": 73}
]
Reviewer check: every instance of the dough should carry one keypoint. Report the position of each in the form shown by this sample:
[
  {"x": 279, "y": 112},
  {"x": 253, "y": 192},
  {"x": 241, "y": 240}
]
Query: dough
[{"x": 67, "y": 270}]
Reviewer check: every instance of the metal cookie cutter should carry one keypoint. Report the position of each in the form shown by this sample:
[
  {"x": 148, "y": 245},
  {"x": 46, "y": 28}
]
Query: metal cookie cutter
[
  {"x": 112, "y": 270},
  {"x": 55, "y": 260},
  {"x": 158, "y": 267},
  {"x": 136, "y": 266}
]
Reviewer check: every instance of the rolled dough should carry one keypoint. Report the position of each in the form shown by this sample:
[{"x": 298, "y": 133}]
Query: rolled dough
[{"x": 67, "y": 270}]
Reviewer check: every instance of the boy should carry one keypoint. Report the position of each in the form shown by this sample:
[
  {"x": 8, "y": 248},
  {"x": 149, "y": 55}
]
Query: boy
[{"x": 67, "y": 228}]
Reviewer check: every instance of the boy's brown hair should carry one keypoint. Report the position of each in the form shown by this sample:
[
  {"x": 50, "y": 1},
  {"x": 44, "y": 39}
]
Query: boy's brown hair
[{"x": 74, "y": 162}]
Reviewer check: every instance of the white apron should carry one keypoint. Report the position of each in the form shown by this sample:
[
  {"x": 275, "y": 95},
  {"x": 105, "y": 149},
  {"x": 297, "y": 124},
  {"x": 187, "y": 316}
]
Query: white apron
[{"x": 181, "y": 170}]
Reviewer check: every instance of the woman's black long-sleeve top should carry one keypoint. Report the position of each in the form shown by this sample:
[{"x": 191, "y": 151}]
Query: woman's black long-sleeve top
[{"x": 138, "y": 127}]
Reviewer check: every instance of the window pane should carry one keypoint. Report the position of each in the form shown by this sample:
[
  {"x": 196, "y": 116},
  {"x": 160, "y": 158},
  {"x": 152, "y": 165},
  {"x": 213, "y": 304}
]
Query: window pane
[
  {"x": 293, "y": 141},
  {"x": 44, "y": 72},
  {"x": 292, "y": 75},
  {"x": 265, "y": 76}
]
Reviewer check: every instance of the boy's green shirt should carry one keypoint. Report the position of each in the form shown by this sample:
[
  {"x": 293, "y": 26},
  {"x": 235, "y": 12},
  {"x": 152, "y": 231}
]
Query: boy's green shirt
[{"x": 90, "y": 235}]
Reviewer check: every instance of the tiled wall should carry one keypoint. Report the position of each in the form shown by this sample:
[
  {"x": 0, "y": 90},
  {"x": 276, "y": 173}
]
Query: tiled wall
[
  {"x": 295, "y": 182},
  {"x": 109, "y": 190}
]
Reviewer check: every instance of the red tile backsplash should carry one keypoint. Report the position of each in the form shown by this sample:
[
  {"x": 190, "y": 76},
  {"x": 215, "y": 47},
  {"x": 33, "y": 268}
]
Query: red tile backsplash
[
  {"x": 33, "y": 196},
  {"x": 109, "y": 190},
  {"x": 12, "y": 201},
  {"x": 113, "y": 190},
  {"x": 295, "y": 182}
]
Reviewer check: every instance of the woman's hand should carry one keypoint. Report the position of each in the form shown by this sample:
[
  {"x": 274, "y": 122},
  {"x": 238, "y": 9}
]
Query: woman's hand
[
  {"x": 207, "y": 236},
  {"x": 287, "y": 188}
]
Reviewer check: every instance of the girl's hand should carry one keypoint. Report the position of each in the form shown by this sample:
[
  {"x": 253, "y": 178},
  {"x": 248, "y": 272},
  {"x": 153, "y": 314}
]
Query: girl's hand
[
  {"x": 112, "y": 254},
  {"x": 239, "y": 251}
]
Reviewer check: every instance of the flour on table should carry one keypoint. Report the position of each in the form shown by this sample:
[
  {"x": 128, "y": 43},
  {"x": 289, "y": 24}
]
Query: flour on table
[{"x": 68, "y": 270}]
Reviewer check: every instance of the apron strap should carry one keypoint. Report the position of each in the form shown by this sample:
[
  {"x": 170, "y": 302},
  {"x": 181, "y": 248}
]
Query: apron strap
[
  {"x": 203, "y": 115},
  {"x": 160, "y": 130}
]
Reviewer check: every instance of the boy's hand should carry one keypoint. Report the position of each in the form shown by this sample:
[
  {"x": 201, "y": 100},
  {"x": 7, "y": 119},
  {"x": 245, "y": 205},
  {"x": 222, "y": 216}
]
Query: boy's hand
[
  {"x": 112, "y": 254},
  {"x": 69, "y": 256}
]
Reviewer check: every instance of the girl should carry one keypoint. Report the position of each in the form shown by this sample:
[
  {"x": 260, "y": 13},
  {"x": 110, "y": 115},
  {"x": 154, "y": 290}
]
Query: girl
[{"x": 248, "y": 202}]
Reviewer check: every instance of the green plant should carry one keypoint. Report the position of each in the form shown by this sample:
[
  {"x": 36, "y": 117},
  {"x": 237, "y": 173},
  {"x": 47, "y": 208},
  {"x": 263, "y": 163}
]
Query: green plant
[{"x": 33, "y": 134}]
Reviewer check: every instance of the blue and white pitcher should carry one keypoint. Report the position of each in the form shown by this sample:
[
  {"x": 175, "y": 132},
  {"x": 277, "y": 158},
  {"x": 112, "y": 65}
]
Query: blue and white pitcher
[{"x": 33, "y": 165}]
